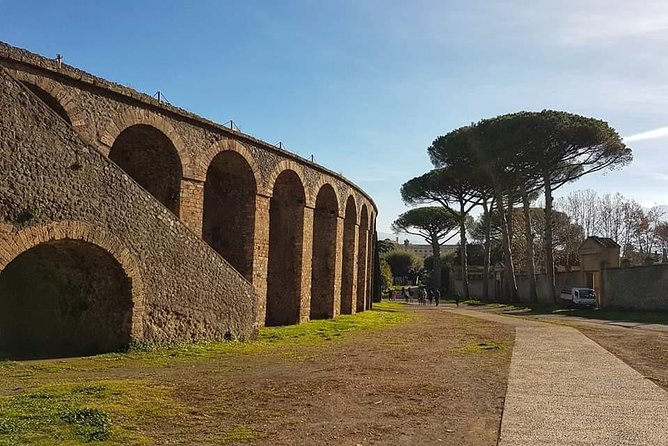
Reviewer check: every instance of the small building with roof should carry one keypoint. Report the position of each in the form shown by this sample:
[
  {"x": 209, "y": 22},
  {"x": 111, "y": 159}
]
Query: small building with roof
[{"x": 597, "y": 254}]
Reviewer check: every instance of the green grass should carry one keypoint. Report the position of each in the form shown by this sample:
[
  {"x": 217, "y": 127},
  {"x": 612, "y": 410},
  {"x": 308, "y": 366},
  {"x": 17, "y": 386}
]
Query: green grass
[
  {"x": 384, "y": 314},
  {"x": 318, "y": 332},
  {"x": 478, "y": 347},
  {"x": 102, "y": 412},
  {"x": 238, "y": 434},
  {"x": 51, "y": 402}
]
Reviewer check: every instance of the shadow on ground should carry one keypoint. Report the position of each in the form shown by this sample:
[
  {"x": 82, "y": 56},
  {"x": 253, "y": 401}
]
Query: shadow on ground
[{"x": 612, "y": 315}]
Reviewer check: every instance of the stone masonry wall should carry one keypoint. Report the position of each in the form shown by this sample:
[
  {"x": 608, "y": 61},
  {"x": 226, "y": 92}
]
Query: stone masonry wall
[
  {"x": 100, "y": 111},
  {"x": 54, "y": 186},
  {"x": 639, "y": 287}
]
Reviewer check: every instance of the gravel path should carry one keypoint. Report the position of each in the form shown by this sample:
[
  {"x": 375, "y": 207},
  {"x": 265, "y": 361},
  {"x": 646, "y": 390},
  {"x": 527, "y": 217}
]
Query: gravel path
[{"x": 565, "y": 389}]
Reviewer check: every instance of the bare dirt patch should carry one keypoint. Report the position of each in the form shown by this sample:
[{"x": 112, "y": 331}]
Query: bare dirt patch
[
  {"x": 644, "y": 350},
  {"x": 437, "y": 378},
  {"x": 403, "y": 386}
]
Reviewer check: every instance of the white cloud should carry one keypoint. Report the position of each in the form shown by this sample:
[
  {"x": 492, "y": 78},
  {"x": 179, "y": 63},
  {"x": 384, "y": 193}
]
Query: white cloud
[
  {"x": 661, "y": 132},
  {"x": 610, "y": 21}
]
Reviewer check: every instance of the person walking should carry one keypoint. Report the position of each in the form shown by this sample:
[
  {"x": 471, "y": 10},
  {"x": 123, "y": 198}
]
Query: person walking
[
  {"x": 437, "y": 296},
  {"x": 430, "y": 295}
]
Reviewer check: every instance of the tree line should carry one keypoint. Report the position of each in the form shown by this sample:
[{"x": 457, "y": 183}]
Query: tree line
[
  {"x": 504, "y": 162},
  {"x": 641, "y": 233}
]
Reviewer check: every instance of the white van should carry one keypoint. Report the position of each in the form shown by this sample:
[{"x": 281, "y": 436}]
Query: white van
[{"x": 579, "y": 297}]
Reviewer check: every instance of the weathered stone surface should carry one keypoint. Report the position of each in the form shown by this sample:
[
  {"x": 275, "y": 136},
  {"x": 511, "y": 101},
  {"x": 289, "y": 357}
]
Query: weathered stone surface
[
  {"x": 54, "y": 187},
  {"x": 61, "y": 128}
]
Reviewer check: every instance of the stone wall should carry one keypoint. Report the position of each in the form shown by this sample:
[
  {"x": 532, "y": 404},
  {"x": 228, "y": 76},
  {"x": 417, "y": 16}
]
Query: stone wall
[
  {"x": 175, "y": 155},
  {"x": 640, "y": 288},
  {"x": 562, "y": 279},
  {"x": 54, "y": 187}
]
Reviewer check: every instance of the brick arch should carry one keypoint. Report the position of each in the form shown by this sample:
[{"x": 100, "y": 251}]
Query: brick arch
[
  {"x": 62, "y": 95},
  {"x": 369, "y": 212},
  {"x": 14, "y": 244},
  {"x": 349, "y": 253},
  {"x": 315, "y": 189},
  {"x": 372, "y": 219},
  {"x": 280, "y": 168},
  {"x": 203, "y": 161},
  {"x": 318, "y": 188},
  {"x": 230, "y": 177},
  {"x": 350, "y": 193},
  {"x": 144, "y": 117},
  {"x": 324, "y": 252},
  {"x": 362, "y": 256}
]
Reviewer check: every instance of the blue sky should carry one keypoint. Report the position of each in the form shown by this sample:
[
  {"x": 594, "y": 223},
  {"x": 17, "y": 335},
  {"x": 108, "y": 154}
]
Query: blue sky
[{"x": 366, "y": 85}]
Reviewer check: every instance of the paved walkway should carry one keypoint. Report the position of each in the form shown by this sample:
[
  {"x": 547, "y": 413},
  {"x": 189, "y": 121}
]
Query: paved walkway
[{"x": 565, "y": 389}]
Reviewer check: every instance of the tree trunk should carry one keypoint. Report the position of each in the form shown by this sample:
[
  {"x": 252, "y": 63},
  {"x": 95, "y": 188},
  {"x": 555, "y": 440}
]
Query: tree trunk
[
  {"x": 549, "y": 257},
  {"x": 509, "y": 272},
  {"x": 510, "y": 222},
  {"x": 509, "y": 217},
  {"x": 436, "y": 256},
  {"x": 488, "y": 248},
  {"x": 463, "y": 251},
  {"x": 528, "y": 234}
]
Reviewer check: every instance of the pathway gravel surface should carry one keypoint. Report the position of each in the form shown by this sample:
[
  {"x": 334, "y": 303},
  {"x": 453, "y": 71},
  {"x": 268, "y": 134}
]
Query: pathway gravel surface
[{"x": 565, "y": 389}]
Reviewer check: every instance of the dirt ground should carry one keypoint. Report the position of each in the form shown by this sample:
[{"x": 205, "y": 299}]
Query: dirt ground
[
  {"x": 407, "y": 385},
  {"x": 437, "y": 378},
  {"x": 644, "y": 350}
]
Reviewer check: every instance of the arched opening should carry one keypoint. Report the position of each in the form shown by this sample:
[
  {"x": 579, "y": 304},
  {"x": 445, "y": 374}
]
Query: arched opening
[
  {"x": 49, "y": 100},
  {"x": 363, "y": 238},
  {"x": 150, "y": 158},
  {"x": 348, "y": 257},
  {"x": 64, "y": 298},
  {"x": 323, "y": 263},
  {"x": 228, "y": 223},
  {"x": 286, "y": 234},
  {"x": 370, "y": 268}
]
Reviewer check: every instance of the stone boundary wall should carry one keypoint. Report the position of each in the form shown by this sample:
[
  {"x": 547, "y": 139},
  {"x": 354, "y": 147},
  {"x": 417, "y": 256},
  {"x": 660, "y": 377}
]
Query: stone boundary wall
[
  {"x": 54, "y": 186},
  {"x": 563, "y": 279},
  {"x": 638, "y": 287}
]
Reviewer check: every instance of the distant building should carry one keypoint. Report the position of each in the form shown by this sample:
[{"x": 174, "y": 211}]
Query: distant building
[{"x": 421, "y": 250}]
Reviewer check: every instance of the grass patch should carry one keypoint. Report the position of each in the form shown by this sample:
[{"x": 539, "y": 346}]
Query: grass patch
[
  {"x": 607, "y": 314},
  {"x": 47, "y": 403},
  {"x": 90, "y": 424},
  {"x": 238, "y": 434},
  {"x": 107, "y": 412},
  {"x": 385, "y": 314},
  {"x": 318, "y": 332},
  {"x": 477, "y": 347}
]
